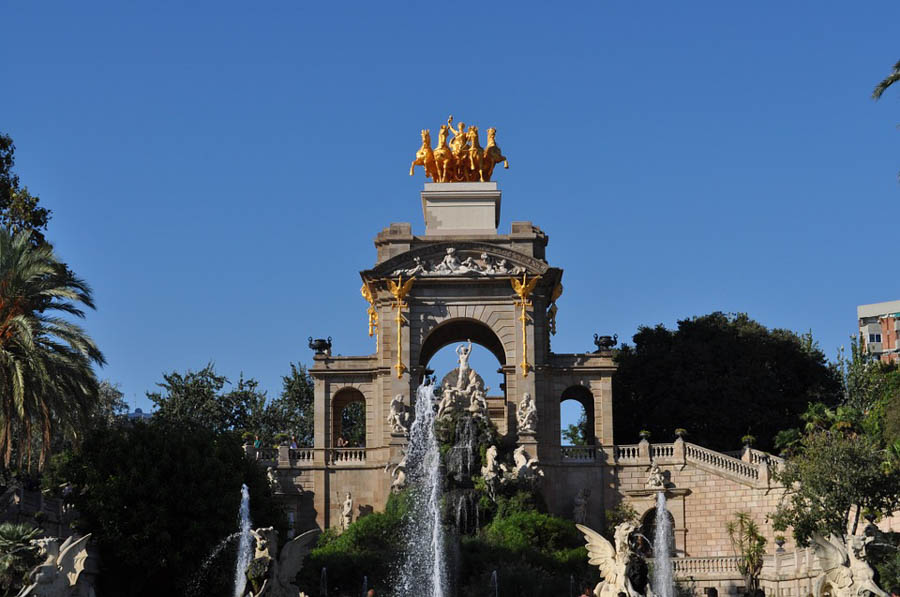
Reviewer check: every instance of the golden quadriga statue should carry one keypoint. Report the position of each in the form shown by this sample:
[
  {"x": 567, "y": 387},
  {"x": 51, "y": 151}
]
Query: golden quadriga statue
[{"x": 462, "y": 159}]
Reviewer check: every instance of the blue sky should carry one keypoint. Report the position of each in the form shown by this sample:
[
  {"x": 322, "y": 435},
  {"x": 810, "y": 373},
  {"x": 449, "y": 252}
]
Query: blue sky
[{"x": 217, "y": 171}]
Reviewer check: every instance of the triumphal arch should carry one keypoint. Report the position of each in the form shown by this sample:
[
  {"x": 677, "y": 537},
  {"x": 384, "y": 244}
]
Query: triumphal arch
[
  {"x": 460, "y": 281},
  {"x": 463, "y": 281}
]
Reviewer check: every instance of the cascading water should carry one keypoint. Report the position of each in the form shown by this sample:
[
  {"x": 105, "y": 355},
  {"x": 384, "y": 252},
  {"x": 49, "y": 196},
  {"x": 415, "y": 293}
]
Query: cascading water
[
  {"x": 245, "y": 545},
  {"x": 424, "y": 569},
  {"x": 663, "y": 578}
]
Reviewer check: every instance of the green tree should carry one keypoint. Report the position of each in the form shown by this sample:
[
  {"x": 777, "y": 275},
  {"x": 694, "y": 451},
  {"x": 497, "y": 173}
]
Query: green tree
[
  {"x": 110, "y": 404},
  {"x": 721, "y": 376},
  {"x": 18, "y": 556},
  {"x": 353, "y": 424},
  {"x": 47, "y": 381},
  {"x": 577, "y": 434},
  {"x": 292, "y": 411},
  {"x": 750, "y": 546},
  {"x": 197, "y": 397},
  {"x": 158, "y": 497},
  {"x": 832, "y": 478},
  {"x": 889, "y": 80},
  {"x": 19, "y": 209}
]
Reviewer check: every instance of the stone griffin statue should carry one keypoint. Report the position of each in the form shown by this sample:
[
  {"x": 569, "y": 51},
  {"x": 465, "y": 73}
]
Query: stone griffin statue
[
  {"x": 525, "y": 467},
  {"x": 60, "y": 573},
  {"x": 463, "y": 159},
  {"x": 845, "y": 570},
  {"x": 622, "y": 569},
  {"x": 526, "y": 415},
  {"x": 272, "y": 574}
]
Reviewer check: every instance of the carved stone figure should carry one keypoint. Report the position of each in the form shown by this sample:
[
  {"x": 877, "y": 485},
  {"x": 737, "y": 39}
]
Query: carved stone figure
[
  {"x": 347, "y": 512},
  {"x": 845, "y": 570},
  {"x": 451, "y": 265},
  {"x": 657, "y": 479},
  {"x": 579, "y": 512},
  {"x": 398, "y": 474},
  {"x": 463, "y": 389},
  {"x": 526, "y": 414},
  {"x": 525, "y": 467},
  {"x": 462, "y": 352},
  {"x": 622, "y": 569},
  {"x": 491, "y": 469},
  {"x": 272, "y": 574},
  {"x": 273, "y": 480},
  {"x": 399, "y": 417},
  {"x": 60, "y": 574}
]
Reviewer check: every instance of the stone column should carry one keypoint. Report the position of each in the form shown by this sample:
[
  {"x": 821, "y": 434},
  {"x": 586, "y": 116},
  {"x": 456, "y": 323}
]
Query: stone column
[{"x": 644, "y": 451}]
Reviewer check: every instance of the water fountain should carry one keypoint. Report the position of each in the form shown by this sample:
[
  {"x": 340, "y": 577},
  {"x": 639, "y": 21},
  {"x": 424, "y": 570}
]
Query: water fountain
[
  {"x": 494, "y": 584},
  {"x": 245, "y": 544},
  {"x": 424, "y": 569},
  {"x": 663, "y": 576}
]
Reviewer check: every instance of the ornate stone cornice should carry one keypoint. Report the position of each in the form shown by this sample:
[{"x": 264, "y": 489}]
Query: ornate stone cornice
[{"x": 432, "y": 255}]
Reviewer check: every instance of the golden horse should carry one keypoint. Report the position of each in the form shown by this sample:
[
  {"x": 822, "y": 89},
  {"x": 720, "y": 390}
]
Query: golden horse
[
  {"x": 443, "y": 157},
  {"x": 492, "y": 156},
  {"x": 476, "y": 155},
  {"x": 425, "y": 157}
]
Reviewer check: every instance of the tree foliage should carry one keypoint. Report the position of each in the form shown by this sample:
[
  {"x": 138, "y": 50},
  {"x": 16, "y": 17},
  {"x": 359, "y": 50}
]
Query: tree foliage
[
  {"x": 158, "y": 497},
  {"x": 885, "y": 83},
  {"x": 200, "y": 397},
  {"x": 750, "y": 547},
  {"x": 832, "y": 478},
  {"x": 722, "y": 377},
  {"x": 18, "y": 556},
  {"x": 47, "y": 381},
  {"x": 19, "y": 209}
]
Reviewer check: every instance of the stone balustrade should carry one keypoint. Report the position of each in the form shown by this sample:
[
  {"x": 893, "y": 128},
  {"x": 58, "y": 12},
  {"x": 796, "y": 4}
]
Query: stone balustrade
[
  {"x": 717, "y": 460},
  {"x": 301, "y": 455},
  {"x": 628, "y": 453},
  {"x": 705, "y": 567},
  {"x": 662, "y": 451},
  {"x": 346, "y": 456},
  {"x": 576, "y": 454}
]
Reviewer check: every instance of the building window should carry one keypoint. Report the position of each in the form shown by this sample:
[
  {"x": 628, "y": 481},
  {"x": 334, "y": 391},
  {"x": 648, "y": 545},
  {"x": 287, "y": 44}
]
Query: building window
[{"x": 875, "y": 338}]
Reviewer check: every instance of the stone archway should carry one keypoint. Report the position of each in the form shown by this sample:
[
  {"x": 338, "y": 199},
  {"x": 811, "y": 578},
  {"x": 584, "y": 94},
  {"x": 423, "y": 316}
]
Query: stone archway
[
  {"x": 340, "y": 401},
  {"x": 460, "y": 330},
  {"x": 648, "y": 531},
  {"x": 585, "y": 398}
]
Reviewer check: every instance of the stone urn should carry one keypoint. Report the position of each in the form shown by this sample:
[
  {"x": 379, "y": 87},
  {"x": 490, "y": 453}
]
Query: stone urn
[{"x": 320, "y": 345}]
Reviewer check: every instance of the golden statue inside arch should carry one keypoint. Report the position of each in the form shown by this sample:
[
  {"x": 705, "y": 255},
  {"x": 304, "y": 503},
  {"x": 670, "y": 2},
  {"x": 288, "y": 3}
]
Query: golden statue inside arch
[{"x": 463, "y": 159}]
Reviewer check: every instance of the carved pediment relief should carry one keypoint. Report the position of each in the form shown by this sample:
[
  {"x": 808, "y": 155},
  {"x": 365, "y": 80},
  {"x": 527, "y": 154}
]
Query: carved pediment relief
[{"x": 463, "y": 259}]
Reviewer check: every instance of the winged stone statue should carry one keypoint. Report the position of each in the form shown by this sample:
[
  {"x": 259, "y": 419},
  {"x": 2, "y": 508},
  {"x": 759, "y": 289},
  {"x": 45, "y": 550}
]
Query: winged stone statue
[
  {"x": 623, "y": 570},
  {"x": 59, "y": 573},
  {"x": 844, "y": 568},
  {"x": 282, "y": 568}
]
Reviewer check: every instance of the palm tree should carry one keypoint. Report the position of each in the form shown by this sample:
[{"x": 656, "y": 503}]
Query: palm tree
[
  {"x": 47, "y": 383},
  {"x": 18, "y": 555},
  {"x": 887, "y": 82}
]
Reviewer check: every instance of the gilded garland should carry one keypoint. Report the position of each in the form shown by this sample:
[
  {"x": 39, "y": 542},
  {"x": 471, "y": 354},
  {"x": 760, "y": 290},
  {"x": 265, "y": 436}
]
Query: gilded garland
[{"x": 462, "y": 159}]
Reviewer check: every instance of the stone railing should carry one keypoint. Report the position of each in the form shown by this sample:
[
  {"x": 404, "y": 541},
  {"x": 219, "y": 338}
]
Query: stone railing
[
  {"x": 346, "y": 455},
  {"x": 717, "y": 460},
  {"x": 300, "y": 455},
  {"x": 725, "y": 565},
  {"x": 662, "y": 451},
  {"x": 628, "y": 453},
  {"x": 578, "y": 453},
  {"x": 267, "y": 454}
]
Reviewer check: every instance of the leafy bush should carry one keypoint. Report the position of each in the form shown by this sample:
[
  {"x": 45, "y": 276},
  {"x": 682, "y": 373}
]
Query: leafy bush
[
  {"x": 18, "y": 556},
  {"x": 158, "y": 497}
]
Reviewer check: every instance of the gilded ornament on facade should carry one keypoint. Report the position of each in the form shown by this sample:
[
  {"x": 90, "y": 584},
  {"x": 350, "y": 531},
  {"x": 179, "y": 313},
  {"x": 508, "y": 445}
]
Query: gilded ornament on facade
[
  {"x": 367, "y": 294},
  {"x": 523, "y": 290},
  {"x": 462, "y": 159},
  {"x": 399, "y": 290}
]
